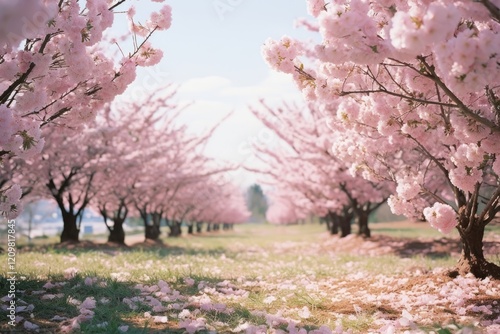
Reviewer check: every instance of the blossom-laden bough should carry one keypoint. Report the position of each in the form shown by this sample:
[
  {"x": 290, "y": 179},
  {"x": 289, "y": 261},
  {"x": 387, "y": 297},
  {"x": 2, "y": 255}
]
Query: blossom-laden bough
[
  {"x": 418, "y": 79},
  {"x": 57, "y": 67}
]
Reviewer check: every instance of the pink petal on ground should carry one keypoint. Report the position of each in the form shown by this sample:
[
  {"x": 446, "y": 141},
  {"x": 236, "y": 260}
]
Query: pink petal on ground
[
  {"x": 184, "y": 314},
  {"x": 48, "y": 297},
  {"x": 89, "y": 281},
  {"x": 73, "y": 301},
  {"x": 104, "y": 300},
  {"x": 123, "y": 328},
  {"x": 85, "y": 315},
  {"x": 28, "y": 308},
  {"x": 30, "y": 326},
  {"x": 70, "y": 272},
  {"x": 5, "y": 298},
  {"x": 88, "y": 303},
  {"x": 160, "y": 319},
  {"x": 159, "y": 308},
  {"x": 269, "y": 300},
  {"x": 162, "y": 284},
  {"x": 103, "y": 324},
  {"x": 304, "y": 313},
  {"x": 49, "y": 285},
  {"x": 189, "y": 281}
]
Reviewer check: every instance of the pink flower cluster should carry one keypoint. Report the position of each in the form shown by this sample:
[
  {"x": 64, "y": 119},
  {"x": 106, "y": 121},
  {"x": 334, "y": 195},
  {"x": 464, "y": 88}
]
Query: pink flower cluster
[
  {"x": 281, "y": 54},
  {"x": 410, "y": 92},
  {"x": 63, "y": 71},
  {"x": 442, "y": 217}
]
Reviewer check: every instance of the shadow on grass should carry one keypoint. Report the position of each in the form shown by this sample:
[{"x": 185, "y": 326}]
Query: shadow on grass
[
  {"x": 439, "y": 248},
  {"x": 434, "y": 249},
  {"x": 158, "y": 249},
  {"x": 111, "y": 309},
  {"x": 221, "y": 235},
  {"x": 430, "y": 247}
]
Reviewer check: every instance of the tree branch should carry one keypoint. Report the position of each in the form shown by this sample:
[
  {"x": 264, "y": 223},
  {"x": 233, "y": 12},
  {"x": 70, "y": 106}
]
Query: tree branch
[
  {"x": 461, "y": 106},
  {"x": 494, "y": 10}
]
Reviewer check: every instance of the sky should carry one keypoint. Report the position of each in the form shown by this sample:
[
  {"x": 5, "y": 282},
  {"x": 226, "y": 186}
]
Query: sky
[{"x": 213, "y": 52}]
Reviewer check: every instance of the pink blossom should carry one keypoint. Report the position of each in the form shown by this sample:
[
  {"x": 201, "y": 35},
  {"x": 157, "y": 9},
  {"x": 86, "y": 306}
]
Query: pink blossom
[
  {"x": 6, "y": 125},
  {"x": 160, "y": 20},
  {"x": 281, "y": 55},
  {"x": 441, "y": 216},
  {"x": 314, "y": 7},
  {"x": 466, "y": 178}
]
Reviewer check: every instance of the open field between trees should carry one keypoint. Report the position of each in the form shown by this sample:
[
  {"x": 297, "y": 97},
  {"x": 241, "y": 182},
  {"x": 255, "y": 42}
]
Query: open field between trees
[{"x": 257, "y": 279}]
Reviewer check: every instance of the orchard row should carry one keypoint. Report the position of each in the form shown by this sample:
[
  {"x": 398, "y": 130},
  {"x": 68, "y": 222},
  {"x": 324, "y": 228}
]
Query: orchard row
[
  {"x": 402, "y": 103},
  {"x": 62, "y": 138}
]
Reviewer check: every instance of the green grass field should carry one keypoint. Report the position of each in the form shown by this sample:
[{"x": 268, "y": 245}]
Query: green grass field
[{"x": 255, "y": 279}]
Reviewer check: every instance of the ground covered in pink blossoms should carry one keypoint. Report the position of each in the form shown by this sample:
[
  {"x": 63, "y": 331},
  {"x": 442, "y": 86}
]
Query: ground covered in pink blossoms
[{"x": 263, "y": 279}]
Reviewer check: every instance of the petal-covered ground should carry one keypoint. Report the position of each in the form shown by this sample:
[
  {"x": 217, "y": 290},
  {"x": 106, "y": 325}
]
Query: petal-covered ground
[{"x": 257, "y": 279}]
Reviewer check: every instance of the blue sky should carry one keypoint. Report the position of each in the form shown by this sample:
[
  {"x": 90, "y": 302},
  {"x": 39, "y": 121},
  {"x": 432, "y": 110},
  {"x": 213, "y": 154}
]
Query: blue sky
[
  {"x": 213, "y": 51},
  {"x": 205, "y": 40}
]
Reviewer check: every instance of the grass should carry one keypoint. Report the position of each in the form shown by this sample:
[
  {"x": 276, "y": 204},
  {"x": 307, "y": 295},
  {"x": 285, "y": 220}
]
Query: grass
[{"x": 259, "y": 273}]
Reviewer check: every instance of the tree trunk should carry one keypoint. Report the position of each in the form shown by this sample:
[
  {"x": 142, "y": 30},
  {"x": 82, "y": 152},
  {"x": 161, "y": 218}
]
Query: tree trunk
[
  {"x": 117, "y": 233},
  {"x": 472, "y": 259},
  {"x": 151, "y": 232},
  {"x": 70, "y": 232},
  {"x": 190, "y": 228},
  {"x": 345, "y": 226},
  {"x": 334, "y": 226},
  {"x": 362, "y": 217},
  {"x": 345, "y": 223},
  {"x": 175, "y": 228},
  {"x": 332, "y": 220},
  {"x": 209, "y": 227},
  {"x": 328, "y": 223},
  {"x": 199, "y": 226}
]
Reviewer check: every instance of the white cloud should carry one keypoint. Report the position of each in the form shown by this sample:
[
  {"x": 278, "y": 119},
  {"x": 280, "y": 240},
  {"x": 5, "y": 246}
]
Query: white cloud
[
  {"x": 204, "y": 84},
  {"x": 214, "y": 97},
  {"x": 276, "y": 86}
]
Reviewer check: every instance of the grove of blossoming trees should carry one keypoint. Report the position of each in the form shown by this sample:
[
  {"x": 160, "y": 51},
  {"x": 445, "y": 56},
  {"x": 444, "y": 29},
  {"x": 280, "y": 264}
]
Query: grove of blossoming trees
[
  {"x": 56, "y": 67},
  {"x": 416, "y": 84},
  {"x": 321, "y": 181},
  {"x": 57, "y": 75},
  {"x": 133, "y": 158}
]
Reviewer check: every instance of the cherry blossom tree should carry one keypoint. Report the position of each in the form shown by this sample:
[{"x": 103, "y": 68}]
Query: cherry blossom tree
[
  {"x": 213, "y": 200},
  {"x": 56, "y": 67},
  {"x": 418, "y": 79},
  {"x": 310, "y": 167},
  {"x": 136, "y": 139},
  {"x": 67, "y": 170},
  {"x": 172, "y": 163},
  {"x": 135, "y": 158}
]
